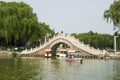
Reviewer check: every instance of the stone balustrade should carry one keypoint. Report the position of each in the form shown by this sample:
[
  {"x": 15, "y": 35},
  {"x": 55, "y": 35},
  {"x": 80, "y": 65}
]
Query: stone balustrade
[{"x": 66, "y": 38}]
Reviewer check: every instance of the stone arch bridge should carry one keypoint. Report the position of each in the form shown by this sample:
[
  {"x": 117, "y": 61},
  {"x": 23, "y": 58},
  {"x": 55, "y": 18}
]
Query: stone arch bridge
[{"x": 54, "y": 42}]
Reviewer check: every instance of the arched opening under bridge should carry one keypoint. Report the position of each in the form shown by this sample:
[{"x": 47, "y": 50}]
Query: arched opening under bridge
[{"x": 56, "y": 47}]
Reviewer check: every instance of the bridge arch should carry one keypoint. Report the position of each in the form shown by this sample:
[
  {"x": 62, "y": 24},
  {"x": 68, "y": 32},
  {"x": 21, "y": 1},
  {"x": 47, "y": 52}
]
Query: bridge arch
[
  {"x": 57, "y": 43},
  {"x": 54, "y": 42}
]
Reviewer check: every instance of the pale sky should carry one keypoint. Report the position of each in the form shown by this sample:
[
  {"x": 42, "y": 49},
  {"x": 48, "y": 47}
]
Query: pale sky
[{"x": 72, "y": 16}]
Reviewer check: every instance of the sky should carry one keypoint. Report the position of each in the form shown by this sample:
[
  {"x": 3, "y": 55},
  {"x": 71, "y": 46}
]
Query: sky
[{"x": 72, "y": 16}]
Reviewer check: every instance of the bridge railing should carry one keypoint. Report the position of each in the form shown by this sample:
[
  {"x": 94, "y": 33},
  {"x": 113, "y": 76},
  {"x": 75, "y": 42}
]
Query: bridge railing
[
  {"x": 27, "y": 51},
  {"x": 85, "y": 46},
  {"x": 74, "y": 41}
]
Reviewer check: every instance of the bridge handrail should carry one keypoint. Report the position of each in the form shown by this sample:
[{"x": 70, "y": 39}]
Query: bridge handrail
[
  {"x": 84, "y": 46},
  {"x": 74, "y": 41}
]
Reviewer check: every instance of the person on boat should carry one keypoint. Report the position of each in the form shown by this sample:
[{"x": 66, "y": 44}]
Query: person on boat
[
  {"x": 81, "y": 61},
  {"x": 70, "y": 56},
  {"x": 78, "y": 56}
]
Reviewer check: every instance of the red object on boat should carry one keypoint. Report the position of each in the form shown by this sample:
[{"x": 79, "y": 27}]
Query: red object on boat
[{"x": 72, "y": 60}]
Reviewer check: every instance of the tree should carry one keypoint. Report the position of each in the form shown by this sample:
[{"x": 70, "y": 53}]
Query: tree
[
  {"x": 96, "y": 40},
  {"x": 19, "y": 25},
  {"x": 113, "y": 14}
]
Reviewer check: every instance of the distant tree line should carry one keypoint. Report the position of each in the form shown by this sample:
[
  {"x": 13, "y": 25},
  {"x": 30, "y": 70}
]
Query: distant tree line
[
  {"x": 102, "y": 41},
  {"x": 19, "y": 26}
]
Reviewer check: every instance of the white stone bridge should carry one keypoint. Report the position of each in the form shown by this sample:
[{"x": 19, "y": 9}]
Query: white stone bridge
[{"x": 54, "y": 43}]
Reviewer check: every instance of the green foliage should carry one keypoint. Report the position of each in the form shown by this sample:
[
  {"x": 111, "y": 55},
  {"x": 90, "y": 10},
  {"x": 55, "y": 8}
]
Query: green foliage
[
  {"x": 113, "y": 14},
  {"x": 96, "y": 40},
  {"x": 19, "y": 25}
]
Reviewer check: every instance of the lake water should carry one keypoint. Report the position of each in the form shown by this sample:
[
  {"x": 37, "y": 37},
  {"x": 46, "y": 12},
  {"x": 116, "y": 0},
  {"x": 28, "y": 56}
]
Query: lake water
[{"x": 55, "y": 69}]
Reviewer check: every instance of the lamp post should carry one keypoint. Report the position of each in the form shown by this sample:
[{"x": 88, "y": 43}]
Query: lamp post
[
  {"x": 47, "y": 37},
  {"x": 39, "y": 41},
  {"x": 115, "y": 36},
  {"x": 115, "y": 44}
]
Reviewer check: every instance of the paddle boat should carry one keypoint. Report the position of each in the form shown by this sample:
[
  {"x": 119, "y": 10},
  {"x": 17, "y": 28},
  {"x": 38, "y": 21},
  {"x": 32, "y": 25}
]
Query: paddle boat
[
  {"x": 48, "y": 53},
  {"x": 73, "y": 56},
  {"x": 61, "y": 54}
]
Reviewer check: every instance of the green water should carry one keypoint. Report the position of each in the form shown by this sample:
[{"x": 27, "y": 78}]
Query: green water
[{"x": 54, "y": 69}]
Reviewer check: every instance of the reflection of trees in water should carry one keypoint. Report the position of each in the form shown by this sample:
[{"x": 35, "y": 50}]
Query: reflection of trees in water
[
  {"x": 20, "y": 69},
  {"x": 117, "y": 70}
]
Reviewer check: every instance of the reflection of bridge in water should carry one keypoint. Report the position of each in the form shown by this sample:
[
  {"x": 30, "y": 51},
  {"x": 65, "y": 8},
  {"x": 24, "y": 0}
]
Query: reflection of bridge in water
[{"x": 54, "y": 43}]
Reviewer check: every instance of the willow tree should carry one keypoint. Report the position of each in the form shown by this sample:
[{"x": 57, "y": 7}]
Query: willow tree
[
  {"x": 19, "y": 25},
  {"x": 113, "y": 13}
]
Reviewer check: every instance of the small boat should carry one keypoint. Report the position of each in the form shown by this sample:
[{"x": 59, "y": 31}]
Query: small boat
[
  {"x": 48, "y": 53},
  {"x": 73, "y": 56},
  {"x": 72, "y": 59},
  {"x": 61, "y": 54}
]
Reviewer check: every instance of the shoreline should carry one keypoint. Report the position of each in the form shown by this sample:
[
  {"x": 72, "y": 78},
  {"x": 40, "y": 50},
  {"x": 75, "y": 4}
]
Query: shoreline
[{"x": 5, "y": 53}]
